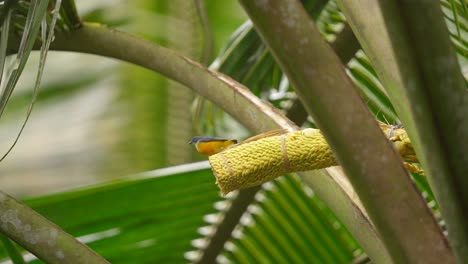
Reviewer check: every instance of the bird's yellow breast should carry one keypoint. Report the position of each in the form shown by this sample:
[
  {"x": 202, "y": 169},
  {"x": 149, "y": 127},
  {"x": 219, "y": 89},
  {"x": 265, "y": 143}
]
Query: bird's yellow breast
[{"x": 213, "y": 147}]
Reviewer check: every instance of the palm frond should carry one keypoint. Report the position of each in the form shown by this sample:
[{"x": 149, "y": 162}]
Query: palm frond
[
  {"x": 47, "y": 37},
  {"x": 12, "y": 250},
  {"x": 151, "y": 216},
  {"x": 287, "y": 222},
  {"x": 36, "y": 13}
]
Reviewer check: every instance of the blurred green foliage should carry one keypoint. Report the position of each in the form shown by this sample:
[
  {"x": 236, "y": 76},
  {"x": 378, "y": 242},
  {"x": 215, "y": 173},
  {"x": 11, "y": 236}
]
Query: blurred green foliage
[{"x": 97, "y": 119}]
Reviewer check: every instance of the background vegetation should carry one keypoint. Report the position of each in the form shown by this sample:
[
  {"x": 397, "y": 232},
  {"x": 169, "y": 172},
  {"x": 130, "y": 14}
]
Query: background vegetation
[{"x": 105, "y": 157}]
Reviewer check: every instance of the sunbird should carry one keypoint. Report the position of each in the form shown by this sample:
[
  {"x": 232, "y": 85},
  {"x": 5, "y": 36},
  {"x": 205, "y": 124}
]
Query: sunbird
[{"x": 210, "y": 146}]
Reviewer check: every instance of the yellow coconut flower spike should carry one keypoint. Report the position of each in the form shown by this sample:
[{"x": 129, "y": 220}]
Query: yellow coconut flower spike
[{"x": 263, "y": 159}]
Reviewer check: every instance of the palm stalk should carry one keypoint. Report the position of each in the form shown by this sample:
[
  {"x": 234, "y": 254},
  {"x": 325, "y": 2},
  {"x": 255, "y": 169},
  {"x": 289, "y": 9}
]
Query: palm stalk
[
  {"x": 321, "y": 84},
  {"x": 419, "y": 69}
]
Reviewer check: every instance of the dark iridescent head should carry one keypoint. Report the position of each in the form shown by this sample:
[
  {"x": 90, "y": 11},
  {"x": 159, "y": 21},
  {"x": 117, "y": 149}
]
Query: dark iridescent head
[{"x": 197, "y": 139}]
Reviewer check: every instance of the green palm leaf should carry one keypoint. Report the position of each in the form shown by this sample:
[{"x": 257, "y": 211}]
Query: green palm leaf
[
  {"x": 150, "y": 216},
  {"x": 287, "y": 222}
]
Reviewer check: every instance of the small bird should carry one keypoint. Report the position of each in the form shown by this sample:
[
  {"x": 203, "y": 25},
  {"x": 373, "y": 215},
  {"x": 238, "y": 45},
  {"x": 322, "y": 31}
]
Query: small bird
[{"x": 210, "y": 146}]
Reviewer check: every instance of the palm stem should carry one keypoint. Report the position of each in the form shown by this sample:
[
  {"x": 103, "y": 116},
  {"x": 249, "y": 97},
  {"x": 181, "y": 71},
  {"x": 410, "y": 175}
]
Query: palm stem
[
  {"x": 368, "y": 159},
  {"x": 41, "y": 237},
  {"x": 417, "y": 64}
]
